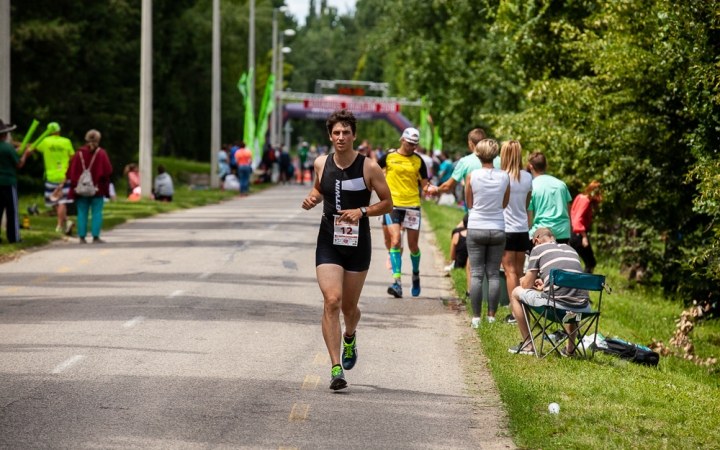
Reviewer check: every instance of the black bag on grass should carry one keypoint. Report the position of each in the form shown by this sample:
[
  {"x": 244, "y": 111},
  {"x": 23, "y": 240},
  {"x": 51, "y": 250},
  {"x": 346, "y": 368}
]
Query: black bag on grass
[{"x": 631, "y": 352}]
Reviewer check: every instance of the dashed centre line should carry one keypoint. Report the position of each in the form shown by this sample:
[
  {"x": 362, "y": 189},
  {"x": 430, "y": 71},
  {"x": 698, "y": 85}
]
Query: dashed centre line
[
  {"x": 288, "y": 448},
  {"x": 84, "y": 260},
  {"x": 13, "y": 289},
  {"x": 68, "y": 363},
  {"x": 134, "y": 321},
  {"x": 105, "y": 252},
  {"x": 64, "y": 269},
  {"x": 175, "y": 294},
  {"x": 40, "y": 279},
  {"x": 311, "y": 382},
  {"x": 321, "y": 359},
  {"x": 299, "y": 412}
]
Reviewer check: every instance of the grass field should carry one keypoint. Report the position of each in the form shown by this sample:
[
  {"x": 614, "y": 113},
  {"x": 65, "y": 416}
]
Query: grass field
[
  {"x": 606, "y": 403},
  {"x": 114, "y": 213}
]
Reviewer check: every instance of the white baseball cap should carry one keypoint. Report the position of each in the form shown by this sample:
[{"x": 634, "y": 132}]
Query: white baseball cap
[{"x": 411, "y": 135}]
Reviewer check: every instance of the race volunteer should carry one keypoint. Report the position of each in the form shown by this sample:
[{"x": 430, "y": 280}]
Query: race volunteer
[
  {"x": 344, "y": 180},
  {"x": 404, "y": 169}
]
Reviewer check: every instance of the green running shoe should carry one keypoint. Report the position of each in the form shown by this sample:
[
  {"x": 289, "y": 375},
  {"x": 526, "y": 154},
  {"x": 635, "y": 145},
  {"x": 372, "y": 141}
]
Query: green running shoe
[
  {"x": 337, "y": 380},
  {"x": 349, "y": 357}
]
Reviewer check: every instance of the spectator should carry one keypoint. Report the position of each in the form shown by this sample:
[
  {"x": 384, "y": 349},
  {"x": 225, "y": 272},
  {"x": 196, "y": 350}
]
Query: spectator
[
  {"x": 581, "y": 215},
  {"x": 517, "y": 223},
  {"x": 164, "y": 188},
  {"x": 243, "y": 161},
  {"x": 487, "y": 189},
  {"x": 302, "y": 161},
  {"x": 57, "y": 151},
  {"x": 284, "y": 161},
  {"x": 446, "y": 168},
  {"x": 550, "y": 200},
  {"x": 223, "y": 167},
  {"x": 235, "y": 147},
  {"x": 547, "y": 254},
  {"x": 312, "y": 156},
  {"x": 9, "y": 163},
  {"x": 459, "y": 251},
  {"x": 132, "y": 172},
  {"x": 96, "y": 161}
]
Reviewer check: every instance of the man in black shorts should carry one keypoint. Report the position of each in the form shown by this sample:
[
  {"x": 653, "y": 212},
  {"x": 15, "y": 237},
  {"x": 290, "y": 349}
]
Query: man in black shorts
[{"x": 344, "y": 181}]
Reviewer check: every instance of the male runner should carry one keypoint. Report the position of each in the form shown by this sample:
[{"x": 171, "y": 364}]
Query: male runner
[
  {"x": 344, "y": 181},
  {"x": 404, "y": 169}
]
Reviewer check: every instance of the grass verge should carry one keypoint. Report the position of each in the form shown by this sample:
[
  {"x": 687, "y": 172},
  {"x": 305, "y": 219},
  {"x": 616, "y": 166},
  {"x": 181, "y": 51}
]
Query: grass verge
[{"x": 605, "y": 403}]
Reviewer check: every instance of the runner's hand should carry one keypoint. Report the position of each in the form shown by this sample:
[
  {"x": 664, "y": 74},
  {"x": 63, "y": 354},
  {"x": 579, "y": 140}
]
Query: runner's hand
[
  {"x": 431, "y": 190},
  {"x": 310, "y": 202},
  {"x": 350, "y": 215}
]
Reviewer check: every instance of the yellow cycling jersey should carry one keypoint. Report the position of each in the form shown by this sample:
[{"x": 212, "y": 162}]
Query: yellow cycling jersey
[{"x": 403, "y": 174}]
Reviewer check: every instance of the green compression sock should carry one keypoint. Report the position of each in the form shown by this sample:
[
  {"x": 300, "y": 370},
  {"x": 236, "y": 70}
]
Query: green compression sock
[
  {"x": 396, "y": 261},
  {"x": 415, "y": 261}
]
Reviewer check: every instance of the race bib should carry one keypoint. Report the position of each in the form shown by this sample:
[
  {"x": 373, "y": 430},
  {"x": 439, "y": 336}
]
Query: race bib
[
  {"x": 412, "y": 219},
  {"x": 346, "y": 233}
]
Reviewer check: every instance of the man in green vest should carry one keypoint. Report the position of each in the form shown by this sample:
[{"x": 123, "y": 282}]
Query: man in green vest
[{"x": 57, "y": 151}]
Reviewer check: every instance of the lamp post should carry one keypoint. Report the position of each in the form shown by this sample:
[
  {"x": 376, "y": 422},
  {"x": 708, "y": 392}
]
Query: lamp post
[
  {"x": 215, "y": 131},
  {"x": 274, "y": 69},
  {"x": 277, "y": 138},
  {"x": 5, "y": 61},
  {"x": 251, "y": 59},
  {"x": 146, "y": 102}
]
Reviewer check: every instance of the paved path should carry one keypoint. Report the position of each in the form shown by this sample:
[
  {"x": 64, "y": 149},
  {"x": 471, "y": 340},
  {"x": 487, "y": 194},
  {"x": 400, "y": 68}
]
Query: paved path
[{"x": 200, "y": 329}]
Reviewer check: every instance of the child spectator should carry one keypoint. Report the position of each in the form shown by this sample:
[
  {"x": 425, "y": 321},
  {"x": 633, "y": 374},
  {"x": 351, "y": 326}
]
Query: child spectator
[{"x": 164, "y": 188}]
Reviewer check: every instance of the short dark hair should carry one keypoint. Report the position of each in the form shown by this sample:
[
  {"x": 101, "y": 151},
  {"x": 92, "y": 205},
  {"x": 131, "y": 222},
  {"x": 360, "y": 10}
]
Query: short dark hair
[
  {"x": 161, "y": 169},
  {"x": 344, "y": 117},
  {"x": 242, "y": 144},
  {"x": 476, "y": 135},
  {"x": 537, "y": 161}
]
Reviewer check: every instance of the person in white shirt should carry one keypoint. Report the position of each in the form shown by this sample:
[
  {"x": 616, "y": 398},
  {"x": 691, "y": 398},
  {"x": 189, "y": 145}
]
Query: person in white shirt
[
  {"x": 516, "y": 216},
  {"x": 488, "y": 191}
]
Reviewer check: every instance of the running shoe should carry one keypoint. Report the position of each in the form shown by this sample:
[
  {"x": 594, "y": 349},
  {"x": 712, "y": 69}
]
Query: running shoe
[
  {"x": 475, "y": 322},
  {"x": 349, "y": 357},
  {"x": 565, "y": 354},
  {"x": 69, "y": 227},
  {"x": 450, "y": 266},
  {"x": 520, "y": 350},
  {"x": 395, "y": 290},
  {"x": 337, "y": 379},
  {"x": 58, "y": 229},
  {"x": 83, "y": 241},
  {"x": 510, "y": 319},
  {"x": 415, "y": 291},
  {"x": 97, "y": 240},
  {"x": 491, "y": 319}
]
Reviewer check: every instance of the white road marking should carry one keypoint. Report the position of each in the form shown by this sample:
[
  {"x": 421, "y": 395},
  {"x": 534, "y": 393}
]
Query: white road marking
[
  {"x": 134, "y": 321},
  {"x": 175, "y": 294},
  {"x": 68, "y": 363},
  {"x": 205, "y": 275}
]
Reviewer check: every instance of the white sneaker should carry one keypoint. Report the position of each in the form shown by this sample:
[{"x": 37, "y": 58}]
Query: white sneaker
[
  {"x": 475, "y": 322},
  {"x": 450, "y": 267},
  {"x": 491, "y": 319}
]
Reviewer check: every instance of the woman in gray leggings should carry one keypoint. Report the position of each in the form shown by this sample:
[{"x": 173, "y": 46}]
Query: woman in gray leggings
[{"x": 488, "y": 191}]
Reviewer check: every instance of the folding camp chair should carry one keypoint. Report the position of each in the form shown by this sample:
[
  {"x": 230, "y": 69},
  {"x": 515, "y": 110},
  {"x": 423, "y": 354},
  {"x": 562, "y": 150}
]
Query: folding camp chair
[{"x": 544, "y": 321}]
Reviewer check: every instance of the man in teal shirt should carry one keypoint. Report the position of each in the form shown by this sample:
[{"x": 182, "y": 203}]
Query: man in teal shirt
[
  {"x": 550, "y": 201},
  {"x": 57, "y": 151},
  {"x": 9, "y": 163},
  {"x": 302, "y": 157}
]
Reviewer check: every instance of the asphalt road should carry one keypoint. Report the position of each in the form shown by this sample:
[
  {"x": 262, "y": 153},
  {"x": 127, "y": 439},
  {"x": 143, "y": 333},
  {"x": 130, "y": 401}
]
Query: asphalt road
[{"x": 200, "y": 329}]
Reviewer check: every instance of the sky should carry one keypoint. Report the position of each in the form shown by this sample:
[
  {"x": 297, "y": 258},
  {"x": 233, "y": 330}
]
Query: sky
[{"x": 300, "y": 8}]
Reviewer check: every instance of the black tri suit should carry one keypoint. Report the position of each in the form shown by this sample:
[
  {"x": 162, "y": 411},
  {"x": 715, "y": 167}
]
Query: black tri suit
[{"x": 343, "y": 189}]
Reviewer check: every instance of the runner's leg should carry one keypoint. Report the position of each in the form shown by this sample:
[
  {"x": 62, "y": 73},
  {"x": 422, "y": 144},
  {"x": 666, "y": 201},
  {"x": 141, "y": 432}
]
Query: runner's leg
[
  {"x": 332, "y": 290},
  {"x": 395, "y": 252},
  {"x": 413, "y": 236},
  {"x": 351, "y": 289}
]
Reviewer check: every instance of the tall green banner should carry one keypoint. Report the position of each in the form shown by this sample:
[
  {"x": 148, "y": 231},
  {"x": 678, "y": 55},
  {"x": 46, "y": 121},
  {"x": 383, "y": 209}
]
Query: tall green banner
[
  {"x": 437, "y": 140},
  {"x": 425, "y": 128},
  {"x": 245, "y": 87},
  {"x": 266, "y": 108}
]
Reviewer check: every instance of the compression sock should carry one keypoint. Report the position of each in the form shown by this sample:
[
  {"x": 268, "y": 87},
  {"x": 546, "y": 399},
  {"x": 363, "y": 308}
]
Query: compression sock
[
  {"x": 349, "y": 339},
  {"x": 396, "y": 261},
  {"x": 415, "y": 261}
]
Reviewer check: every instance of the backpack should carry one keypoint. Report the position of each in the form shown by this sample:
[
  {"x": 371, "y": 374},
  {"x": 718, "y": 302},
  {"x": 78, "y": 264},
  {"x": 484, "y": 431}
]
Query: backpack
[
  {"x": 632, "y": 352},
  {"x": 85, "y": 186}
]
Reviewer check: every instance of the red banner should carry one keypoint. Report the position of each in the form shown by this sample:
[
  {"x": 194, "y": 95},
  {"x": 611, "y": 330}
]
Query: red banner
[{"x": 370, "y": 107}]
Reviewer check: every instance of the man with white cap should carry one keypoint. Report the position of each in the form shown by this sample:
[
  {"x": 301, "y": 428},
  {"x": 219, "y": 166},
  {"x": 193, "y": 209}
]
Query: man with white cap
[{"x": 404, "y": 169}]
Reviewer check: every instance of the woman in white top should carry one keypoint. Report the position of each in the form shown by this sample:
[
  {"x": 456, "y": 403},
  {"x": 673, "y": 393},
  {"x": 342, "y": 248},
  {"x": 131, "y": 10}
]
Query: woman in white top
[
  {"x": 517, "y": 240},
  {"x": 488, "y": 191}
]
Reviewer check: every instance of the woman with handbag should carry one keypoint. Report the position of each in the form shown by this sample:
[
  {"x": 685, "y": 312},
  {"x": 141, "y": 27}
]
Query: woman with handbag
[{"x": 89, "y": 175}]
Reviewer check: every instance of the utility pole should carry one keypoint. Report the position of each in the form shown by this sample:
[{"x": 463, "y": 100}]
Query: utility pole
[
  {"x": 215, "y": 115},
  {"x": 251, "y": 65},
  {"x": 5, "y": 61},
  {"x": 146, "y": 103},
  {"x": 273, "y": 113}
]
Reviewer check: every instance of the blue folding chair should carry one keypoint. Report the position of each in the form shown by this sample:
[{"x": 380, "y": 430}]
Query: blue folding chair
[{"x": 544, "y": 321}]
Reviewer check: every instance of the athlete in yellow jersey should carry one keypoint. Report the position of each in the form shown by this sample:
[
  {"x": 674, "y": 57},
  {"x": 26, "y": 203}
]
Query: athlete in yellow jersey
[{"x": 406, "y": 175}]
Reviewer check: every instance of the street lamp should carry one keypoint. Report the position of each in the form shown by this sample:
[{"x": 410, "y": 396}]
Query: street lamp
[
  {"x": 277, "y": 138},
  {"x": 274, "y": 69}
]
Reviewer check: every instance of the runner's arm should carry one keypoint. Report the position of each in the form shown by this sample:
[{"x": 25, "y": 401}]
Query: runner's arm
[
  {"x": 375, "y": 179},
  {"x": 315, "y": 197}
]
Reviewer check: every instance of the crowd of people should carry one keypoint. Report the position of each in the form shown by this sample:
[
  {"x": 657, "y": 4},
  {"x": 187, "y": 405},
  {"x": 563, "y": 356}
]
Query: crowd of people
[{"x": 519, "y": 218}]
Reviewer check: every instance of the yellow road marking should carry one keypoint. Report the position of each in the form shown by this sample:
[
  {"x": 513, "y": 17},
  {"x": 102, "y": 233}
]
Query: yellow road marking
[
  {"x": 13, "y": 289},
  {"x": 85, "y": 261},
  {"x": 288, "y": 448},
  {"x": 311, "y": 382},
  {"x": 105, "y": 252},
  {"x": 64, "y": 269},
  {"x": 321, "y": 359},
  {"x": 299, "y": 412},
  {"x": 40, "y": 279}
]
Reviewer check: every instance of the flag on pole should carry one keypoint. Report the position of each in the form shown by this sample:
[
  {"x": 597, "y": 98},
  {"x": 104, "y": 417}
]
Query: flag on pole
[
  {"x": 266, "y": 108},
  {"x": 425, "y": 130},
  {"x": 244, "y": 86},
  {"x": 437, "y": 140}
]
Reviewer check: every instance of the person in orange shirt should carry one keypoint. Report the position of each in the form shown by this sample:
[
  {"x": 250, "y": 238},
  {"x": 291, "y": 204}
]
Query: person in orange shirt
[
  {"x": 581, "y": 219},
  {"x": 243, "y": 157}
]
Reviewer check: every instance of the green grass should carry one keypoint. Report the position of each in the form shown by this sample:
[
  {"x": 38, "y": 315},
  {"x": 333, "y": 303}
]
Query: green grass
[
  {"x": 43, "y": 226},
  {"x": 606, "y": 403}
]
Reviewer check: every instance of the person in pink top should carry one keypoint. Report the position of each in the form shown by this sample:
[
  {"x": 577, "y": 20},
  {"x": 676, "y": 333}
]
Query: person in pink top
[
  {"x": 243, "y": 157},
  {"x": 581, "y": 218}
]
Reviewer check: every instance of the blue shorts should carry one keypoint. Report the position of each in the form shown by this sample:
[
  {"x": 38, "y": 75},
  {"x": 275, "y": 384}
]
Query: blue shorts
[{"x": 397, "y": 216}]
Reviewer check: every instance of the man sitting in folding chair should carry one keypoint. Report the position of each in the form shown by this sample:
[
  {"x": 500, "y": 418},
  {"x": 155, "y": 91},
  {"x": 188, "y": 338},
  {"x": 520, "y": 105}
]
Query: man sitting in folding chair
[{"x": 534, "y": 288}]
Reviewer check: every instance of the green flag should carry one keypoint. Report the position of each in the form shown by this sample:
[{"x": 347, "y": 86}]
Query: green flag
[
  {"x": 266, "y": 107},
  {"x": 245, "y": 86},
  {"x": 437, "y": 140},
  {"x": 425, "y": 130}
]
